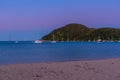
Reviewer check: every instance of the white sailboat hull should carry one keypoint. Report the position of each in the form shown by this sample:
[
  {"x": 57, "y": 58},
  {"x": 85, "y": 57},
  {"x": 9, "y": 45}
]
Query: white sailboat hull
[{"x": 38, "y": 41}]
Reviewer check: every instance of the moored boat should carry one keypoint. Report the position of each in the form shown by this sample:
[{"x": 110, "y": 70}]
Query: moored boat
[{"x": 38, "y": 41}]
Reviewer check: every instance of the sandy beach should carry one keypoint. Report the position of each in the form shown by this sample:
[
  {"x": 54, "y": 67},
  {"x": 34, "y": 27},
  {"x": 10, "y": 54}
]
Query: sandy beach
[{"x": 75, "y": 70}]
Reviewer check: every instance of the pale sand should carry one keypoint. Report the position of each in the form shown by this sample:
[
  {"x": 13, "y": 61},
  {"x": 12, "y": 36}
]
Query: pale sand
[{"x": 74, "y": 70}]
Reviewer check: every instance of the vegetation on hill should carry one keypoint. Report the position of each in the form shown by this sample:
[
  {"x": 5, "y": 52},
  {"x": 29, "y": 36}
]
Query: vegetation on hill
[
  {"x": 106, "y": 34},
  {"x": 79, "y": 32}
]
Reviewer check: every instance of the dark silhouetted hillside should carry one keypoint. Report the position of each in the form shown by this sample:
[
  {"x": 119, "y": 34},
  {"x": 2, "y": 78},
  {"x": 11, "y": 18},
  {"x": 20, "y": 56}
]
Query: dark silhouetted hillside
[{"x": 79, "y": 32}]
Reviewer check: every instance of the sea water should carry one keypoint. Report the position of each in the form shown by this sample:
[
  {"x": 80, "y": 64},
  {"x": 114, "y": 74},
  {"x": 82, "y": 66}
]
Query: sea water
[{"x": 29, "y": 52}]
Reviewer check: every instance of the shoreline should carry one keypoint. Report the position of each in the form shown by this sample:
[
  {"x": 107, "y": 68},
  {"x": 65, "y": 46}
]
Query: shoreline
[
  {"x": 99, "y": 59},
  {"x": 106, "y": 69}
]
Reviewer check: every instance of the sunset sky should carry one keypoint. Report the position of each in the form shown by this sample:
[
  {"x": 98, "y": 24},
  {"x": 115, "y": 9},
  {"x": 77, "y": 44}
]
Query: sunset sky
[{"x": 31, "y": 19}]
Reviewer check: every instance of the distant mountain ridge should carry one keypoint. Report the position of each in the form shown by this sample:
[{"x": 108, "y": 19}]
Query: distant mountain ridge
[{"x": 79, "y": 32}]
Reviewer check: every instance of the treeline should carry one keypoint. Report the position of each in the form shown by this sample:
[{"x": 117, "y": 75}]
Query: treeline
[{"x": 79, "y": 32}]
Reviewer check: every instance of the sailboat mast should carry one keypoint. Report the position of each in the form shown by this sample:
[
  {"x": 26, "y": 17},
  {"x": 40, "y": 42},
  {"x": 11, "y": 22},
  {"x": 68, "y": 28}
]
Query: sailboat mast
[
  {"x": 53, "y": 37},
  {"x": 9, "y": 38}
]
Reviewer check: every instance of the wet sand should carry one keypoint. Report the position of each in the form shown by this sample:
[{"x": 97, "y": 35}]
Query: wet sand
[{"x": 74, "y": 70}]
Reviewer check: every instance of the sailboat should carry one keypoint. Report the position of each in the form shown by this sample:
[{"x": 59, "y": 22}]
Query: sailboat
[
  {"x": 89, "y": 40},
  {"x": 38, "y": 41},
  {"x": 9, "y": 37},
  {"x": 112, "y": 39},
  {"x": 53, "y": 41},
  {"x": 16, "y": 41},
  {"x": 99, "y": 40},
  {"x": 68, "y": 40}
]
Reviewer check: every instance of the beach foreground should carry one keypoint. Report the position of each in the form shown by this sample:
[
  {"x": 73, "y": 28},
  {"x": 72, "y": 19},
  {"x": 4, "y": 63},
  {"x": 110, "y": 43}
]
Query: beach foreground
[{"x": 74, "y": 70}]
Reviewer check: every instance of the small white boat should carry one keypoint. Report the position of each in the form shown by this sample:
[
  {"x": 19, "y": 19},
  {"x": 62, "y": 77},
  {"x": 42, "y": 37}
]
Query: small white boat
[
  {"x": 89, "y": 40},
  {"x": 99, "y": 41},
  {"x": 53, "y": 41},
  {"x": 16, "y": 41},
  {"x": 38, "y": 41}
]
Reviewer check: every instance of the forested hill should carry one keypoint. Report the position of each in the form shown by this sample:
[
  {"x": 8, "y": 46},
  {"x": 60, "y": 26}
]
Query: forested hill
[{"x": 79, "y": 32}]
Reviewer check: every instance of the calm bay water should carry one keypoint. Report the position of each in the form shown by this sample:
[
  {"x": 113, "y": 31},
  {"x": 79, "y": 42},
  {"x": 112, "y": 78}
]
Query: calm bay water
[{"x": 27, "y": 52}]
